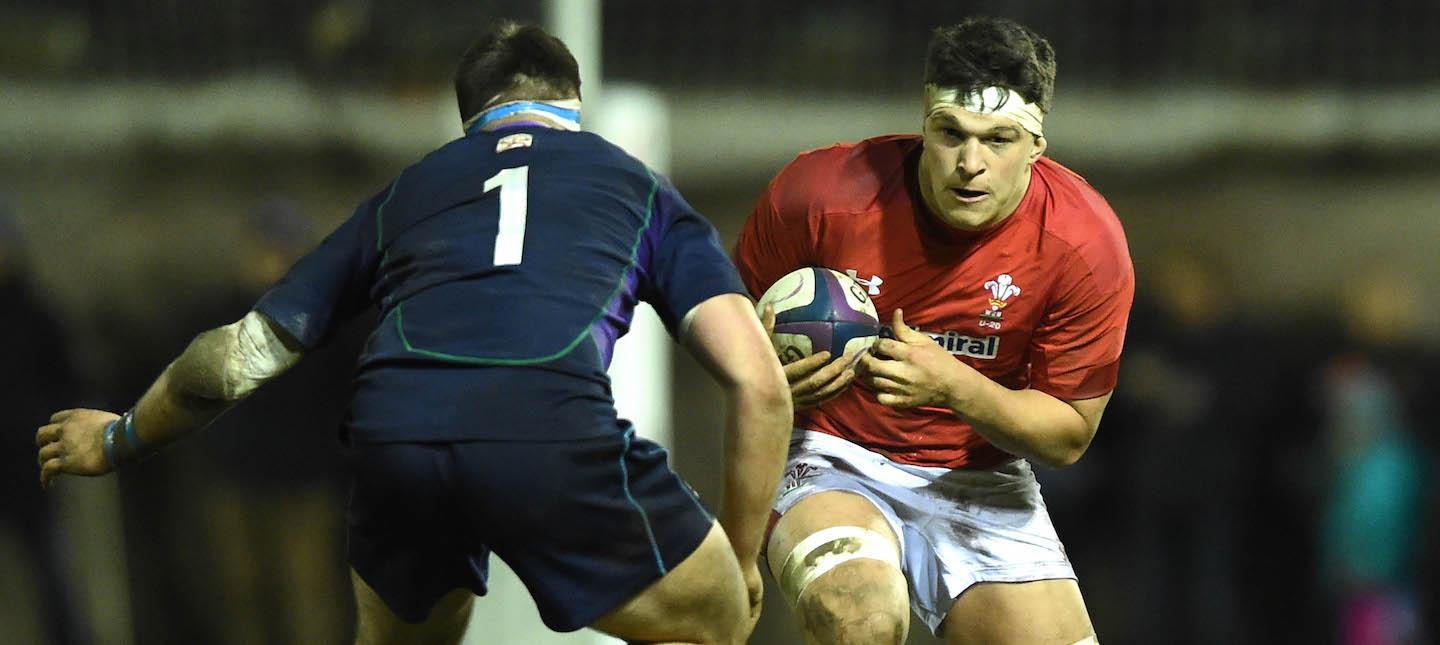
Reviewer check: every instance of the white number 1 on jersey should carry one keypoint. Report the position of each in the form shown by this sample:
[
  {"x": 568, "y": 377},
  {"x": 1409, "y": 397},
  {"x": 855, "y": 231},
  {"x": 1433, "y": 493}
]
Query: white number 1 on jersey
[{"x": 514, "y": 186}]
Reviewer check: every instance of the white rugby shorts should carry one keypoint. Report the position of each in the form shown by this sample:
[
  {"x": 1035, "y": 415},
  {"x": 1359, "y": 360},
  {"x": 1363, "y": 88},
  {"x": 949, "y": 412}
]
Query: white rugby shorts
[{"x": 956, "y": 527}]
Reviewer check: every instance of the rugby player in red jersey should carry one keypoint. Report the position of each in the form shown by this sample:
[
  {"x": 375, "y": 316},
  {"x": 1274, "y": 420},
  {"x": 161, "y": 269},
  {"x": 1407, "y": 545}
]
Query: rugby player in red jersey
[{"x": 1006, "y": 282}]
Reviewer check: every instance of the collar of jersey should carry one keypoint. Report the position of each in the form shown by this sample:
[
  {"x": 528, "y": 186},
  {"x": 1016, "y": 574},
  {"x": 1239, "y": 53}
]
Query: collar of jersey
[{"x": 568, "y": 117}]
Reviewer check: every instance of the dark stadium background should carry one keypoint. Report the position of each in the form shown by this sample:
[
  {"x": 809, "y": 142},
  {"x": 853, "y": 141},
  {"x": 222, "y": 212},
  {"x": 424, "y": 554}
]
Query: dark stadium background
[{"x": 1262, "y": 475}]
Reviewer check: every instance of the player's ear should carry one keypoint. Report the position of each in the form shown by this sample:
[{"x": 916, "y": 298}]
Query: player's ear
[{"x": 1039, "y": 148}]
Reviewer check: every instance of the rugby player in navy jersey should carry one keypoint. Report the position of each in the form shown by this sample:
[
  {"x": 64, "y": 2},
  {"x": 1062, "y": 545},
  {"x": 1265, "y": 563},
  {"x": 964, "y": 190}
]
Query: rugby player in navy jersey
[{"x": 505, "y": 264}]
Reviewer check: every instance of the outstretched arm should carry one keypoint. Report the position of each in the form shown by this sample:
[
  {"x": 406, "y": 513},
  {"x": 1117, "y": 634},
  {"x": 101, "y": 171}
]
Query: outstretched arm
[
  {"x": 725, "y": 335},
  {"x": 217, "y": 370}
]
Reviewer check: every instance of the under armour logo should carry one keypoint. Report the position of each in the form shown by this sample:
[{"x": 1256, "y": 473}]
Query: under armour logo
[{"x": 873, "y": 283}]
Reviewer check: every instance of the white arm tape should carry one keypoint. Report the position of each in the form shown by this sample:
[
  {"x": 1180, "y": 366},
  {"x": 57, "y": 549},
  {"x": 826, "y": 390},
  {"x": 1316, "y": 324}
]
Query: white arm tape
[
  {"x": 828, "y": 548},
  {"x": 684, "y": 330},
  {"x": 253, "y": 355}
]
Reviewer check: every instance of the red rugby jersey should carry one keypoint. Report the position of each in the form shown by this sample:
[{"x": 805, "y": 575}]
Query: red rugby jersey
[{"x": 1039, "y": 301}]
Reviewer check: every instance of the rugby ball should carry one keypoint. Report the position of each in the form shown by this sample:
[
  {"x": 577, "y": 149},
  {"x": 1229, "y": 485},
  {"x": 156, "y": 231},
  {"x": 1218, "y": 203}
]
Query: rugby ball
[{"x": 820, "y": 310}]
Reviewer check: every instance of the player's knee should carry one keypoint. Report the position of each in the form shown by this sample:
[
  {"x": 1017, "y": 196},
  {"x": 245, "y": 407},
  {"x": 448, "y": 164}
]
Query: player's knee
[
  {"x": 857, "y": 603},
  {"x": 716, "y": 605},
  {"x": 731, "y": 618},
  {"x": 720, "y": 619}
]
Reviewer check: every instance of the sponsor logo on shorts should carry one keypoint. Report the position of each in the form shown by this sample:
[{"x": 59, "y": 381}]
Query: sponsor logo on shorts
[
  {"x": 797, "y": 475},
  {"x": 987, "y": 347}
]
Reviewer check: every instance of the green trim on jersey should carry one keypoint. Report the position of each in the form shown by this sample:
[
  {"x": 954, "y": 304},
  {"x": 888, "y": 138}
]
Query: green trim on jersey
[
  {"x": 380, "y": 213},
  {"x": 480, "y": 360}
]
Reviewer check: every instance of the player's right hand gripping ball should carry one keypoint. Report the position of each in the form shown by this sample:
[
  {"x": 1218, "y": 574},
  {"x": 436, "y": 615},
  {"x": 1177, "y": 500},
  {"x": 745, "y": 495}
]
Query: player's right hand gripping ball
[{"x": 820, "y": 310}]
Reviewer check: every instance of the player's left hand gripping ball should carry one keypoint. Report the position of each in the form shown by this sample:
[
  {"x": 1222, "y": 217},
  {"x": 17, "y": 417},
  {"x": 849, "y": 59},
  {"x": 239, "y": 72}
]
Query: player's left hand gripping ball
[
  {"x": 814, "y": 379},
  {"x": 73, "y": 443},
  {"x": 910, "y": 370}
]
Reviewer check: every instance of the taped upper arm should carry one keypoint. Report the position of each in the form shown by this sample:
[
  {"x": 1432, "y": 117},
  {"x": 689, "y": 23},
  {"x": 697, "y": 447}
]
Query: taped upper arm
[{"x": 255, "y": 351}]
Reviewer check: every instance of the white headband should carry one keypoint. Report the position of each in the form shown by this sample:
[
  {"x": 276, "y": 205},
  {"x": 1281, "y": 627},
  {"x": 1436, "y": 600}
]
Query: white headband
[{"x": 991, "y": 100}]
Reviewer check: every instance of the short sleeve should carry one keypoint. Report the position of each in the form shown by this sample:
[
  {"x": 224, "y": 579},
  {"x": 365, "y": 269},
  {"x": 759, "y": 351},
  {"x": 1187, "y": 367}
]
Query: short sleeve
[
  {"x": 776, "y": 238},
  {"x": 1075, "y": 350},
  {"x": 688, "y": 265},
  {"x": 330, "y": 285}
]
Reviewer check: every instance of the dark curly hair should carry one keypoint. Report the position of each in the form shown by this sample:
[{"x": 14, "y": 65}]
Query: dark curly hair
[
  {"x": 983, "y": 51},
  {"x": 514, "y": 61}
]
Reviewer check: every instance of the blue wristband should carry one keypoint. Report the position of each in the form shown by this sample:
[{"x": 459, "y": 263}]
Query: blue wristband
[
  {"x": 132, "y": 450},
  {"x": 109, "y": 442},
  {"x": 134, "y": 439}
]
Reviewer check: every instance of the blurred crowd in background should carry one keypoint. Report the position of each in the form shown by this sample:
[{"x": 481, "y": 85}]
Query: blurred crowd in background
[{"x": 1263, "y": 475}]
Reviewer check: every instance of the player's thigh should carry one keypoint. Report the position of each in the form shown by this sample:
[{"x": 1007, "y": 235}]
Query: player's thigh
[
  {"x": 377, "y": 625},
  {"x": 1043, "y": 612},
  {"x": 863, "y": 585},
  {"x": 701, "y": 600}
]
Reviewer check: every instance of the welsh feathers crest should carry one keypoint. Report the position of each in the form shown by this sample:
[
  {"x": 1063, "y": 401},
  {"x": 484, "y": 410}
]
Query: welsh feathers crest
[{"x": 1002, "y": 288}]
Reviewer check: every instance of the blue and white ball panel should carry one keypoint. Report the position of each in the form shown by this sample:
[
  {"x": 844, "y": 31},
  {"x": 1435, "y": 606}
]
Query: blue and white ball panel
[
  {"x": 818, "y": 309},
  {"x": 792, "y": 344},
  {"x": 854, "y": 338},
  {"x": 796, "y": 340},
  {"x": 792, "y": 291},
  {"x": 816, "y": 294}
]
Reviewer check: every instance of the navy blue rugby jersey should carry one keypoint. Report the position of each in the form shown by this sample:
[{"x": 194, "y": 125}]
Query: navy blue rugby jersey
[{"x": 505, "y": 265}]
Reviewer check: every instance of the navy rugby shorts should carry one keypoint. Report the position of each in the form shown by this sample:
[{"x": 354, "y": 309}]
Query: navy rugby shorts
[{"x": 586, "y": 524}]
